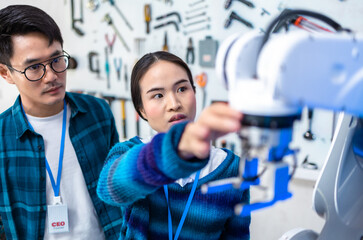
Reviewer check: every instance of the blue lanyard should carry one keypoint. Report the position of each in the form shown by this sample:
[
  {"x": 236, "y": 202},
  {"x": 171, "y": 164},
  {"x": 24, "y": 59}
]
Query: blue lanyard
[
  {"x": 54, "y": 185},
  {"x": 170, "y": 223}
]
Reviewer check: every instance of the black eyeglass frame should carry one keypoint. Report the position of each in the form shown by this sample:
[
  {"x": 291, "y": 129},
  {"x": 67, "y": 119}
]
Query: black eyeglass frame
[{"x": 65, "y": 54}]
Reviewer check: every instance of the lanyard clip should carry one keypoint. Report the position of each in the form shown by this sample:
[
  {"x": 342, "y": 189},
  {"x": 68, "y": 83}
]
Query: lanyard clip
[{"x": 57, "y": 200}]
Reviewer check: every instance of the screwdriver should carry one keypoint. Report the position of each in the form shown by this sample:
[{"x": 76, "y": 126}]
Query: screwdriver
[
  {"x": 107, "y": 68},
  {"x": 123, "y": 110},
  {"x": 165, "y": 46},
  {"x": 137, "y": 124},
  {"x": 147, "y": 13}
]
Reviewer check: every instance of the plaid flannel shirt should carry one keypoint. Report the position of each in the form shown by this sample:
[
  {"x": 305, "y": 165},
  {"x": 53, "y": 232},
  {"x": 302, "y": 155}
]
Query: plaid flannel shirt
[{"x": 22, "y": 166}]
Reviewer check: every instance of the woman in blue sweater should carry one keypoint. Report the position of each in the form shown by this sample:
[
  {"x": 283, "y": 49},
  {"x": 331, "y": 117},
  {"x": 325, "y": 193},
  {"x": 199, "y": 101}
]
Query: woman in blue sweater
[{"x": 157, "y": 183}]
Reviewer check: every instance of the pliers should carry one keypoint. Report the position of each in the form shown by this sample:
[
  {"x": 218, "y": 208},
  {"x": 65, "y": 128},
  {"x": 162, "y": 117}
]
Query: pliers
[{"x": 190, "y": 52}]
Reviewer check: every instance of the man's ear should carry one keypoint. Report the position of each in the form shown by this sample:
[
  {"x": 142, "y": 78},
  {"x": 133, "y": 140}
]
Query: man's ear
[{"x": 5, "y": 73}]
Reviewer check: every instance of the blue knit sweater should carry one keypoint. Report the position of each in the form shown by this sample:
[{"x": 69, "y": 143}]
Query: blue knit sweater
[{"x": 134, "y": 174}]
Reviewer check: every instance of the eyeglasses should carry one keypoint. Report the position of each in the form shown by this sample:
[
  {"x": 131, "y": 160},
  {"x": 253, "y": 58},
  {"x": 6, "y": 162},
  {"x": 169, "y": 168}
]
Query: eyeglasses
[{"x": 35, "y": 72}]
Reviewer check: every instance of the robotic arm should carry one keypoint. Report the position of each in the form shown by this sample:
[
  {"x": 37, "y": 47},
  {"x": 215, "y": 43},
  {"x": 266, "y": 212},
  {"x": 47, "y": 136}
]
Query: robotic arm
[{"x": 270, "y": 79}]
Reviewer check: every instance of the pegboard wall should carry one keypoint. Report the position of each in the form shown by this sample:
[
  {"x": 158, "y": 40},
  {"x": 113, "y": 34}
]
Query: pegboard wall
[{"x": 107, "y": 37}]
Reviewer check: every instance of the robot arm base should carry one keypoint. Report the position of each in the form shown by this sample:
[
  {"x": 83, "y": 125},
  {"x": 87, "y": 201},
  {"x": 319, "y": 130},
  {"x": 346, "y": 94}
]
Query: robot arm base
[{"x": 300, "y": 234}]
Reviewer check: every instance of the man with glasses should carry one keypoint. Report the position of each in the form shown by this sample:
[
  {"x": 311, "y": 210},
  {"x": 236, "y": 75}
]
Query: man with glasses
[{"x": 53, "y": 143}]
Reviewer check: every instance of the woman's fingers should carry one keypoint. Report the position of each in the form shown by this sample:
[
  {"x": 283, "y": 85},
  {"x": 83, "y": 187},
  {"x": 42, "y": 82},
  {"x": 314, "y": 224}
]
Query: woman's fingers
[
  {"x": 215, "y": 121},
  {"x": 194, "y": 142},
  {"x": 219, "y": 117}
]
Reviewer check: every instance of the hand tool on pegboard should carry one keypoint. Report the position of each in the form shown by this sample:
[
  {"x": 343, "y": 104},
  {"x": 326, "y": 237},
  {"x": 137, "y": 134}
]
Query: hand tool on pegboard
[
  {"x": 111, "y": 42},
  {"x": 147, "y": 15},
  {"x": 207, "y": 19},
  {"x": 126, "y": 78},
  {"x": 208, "y": 49},
  {"x": 123, "y": 117},
  {"x": 93, "y": 63},
  {"x": 107, "y": 18},
  {"x": 190, "y": 58},
  {"x": 201, "y": 80},
  {"x": 74, "y": 19},
  {"x": 170, "y": 2},
  {"x": 196, "y": 15},
  {"x": 139, "y": 44},
  {"x": 228, "y": 3},
  {"x": 93, "y": 5},
  {"x": 113, "y": 4},
  {"x": 137, "y": 124},
  {"x": 107, "y": 68},
  {"x": 235, "y": 16},
  {"x": 206, "y": 27},
  {"x": 264, "y": 11},
  {"x": 165, "y": 45},
  {"x": 309, "y": 135},
  {"x": 117, "y": 62},
  {"x": 169, "y": 15},
  {"x": 196, "y": 9},
  {"x": 195, "y": 3},
  {"x": 168, "y": 23}
]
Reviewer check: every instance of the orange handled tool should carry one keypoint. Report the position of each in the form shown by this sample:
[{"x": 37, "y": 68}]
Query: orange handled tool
[
  {"x": 147, "y": 14},
  {"x": 201, "y": 80},
  {"x": 165, "y": 46}
]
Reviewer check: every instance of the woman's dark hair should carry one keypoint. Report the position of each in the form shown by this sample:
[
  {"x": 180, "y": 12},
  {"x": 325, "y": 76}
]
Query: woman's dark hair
[
  {"x": 21, "y": 20},
  {"x": 143, "y": 65}
]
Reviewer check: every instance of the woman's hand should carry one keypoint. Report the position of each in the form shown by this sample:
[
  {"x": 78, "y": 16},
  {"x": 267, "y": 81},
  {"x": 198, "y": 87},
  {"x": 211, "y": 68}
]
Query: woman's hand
[{"x": 215, "y": 121}]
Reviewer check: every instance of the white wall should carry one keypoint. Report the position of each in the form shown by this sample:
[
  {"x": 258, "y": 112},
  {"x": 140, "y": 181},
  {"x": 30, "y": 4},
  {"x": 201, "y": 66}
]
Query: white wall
[{"x": 270, "y": 223}]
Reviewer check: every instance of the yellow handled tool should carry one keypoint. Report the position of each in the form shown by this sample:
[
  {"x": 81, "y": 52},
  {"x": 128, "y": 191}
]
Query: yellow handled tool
[
  {"x": 147, "y": 13},
  {"x": 123, "y": 116}
]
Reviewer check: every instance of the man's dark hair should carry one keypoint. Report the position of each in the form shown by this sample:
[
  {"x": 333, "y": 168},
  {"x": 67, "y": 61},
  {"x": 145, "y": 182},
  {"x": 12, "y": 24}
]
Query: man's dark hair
[
  {"x": 143, "y": 65},
  {"x": 21, "y": 20}
]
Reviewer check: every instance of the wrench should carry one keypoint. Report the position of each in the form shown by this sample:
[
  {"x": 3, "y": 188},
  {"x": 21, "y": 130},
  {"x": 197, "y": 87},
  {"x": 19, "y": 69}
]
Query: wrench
[
  {"x": 197, "y": 30},
  {"x": 196, "y": 22},
  {"x": 197, "y": 15}
]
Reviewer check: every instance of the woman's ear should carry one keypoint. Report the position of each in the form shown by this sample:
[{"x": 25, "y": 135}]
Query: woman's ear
[{"x": 143, "y": 114}]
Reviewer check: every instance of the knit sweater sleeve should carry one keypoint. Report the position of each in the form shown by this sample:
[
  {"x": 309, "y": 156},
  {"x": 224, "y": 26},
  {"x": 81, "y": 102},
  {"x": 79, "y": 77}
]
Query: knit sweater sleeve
[
  {"x": 237, "y": 227},
  {"x": 133, "y": 171}
]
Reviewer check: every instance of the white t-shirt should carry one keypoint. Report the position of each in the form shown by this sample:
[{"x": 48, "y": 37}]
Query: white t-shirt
[{"x": 82, "y": 217}]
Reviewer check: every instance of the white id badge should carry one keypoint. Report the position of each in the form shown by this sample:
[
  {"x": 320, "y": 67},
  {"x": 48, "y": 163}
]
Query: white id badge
[{"x": 58, "y": 218}]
